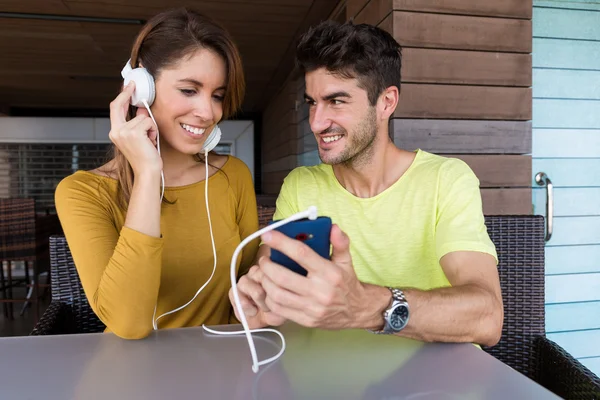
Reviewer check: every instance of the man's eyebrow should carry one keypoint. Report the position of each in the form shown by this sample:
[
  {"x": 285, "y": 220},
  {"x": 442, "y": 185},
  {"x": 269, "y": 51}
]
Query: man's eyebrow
[
  {"x": 198, "y": 83},
  {"x": 335, "y": 95},
  {"x": 330, "y": 96}
]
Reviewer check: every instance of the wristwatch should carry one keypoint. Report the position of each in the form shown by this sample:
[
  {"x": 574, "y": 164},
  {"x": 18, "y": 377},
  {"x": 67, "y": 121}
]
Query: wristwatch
[{"x": 396, "y": 315}]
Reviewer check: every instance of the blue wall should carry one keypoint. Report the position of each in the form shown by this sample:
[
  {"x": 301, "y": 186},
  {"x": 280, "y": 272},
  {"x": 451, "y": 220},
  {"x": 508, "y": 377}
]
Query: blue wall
[{"x": 566, "y": 145}]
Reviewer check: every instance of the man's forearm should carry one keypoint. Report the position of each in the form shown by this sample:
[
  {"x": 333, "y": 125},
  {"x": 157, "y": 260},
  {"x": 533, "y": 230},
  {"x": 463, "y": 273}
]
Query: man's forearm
[{"x": 466, "y": 313}]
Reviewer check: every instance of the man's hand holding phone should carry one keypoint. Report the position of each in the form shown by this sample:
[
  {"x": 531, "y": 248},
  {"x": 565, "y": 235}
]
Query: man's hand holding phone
[
  {"x": 330, "y": 296},
  {"x": 252, "y": 298}
]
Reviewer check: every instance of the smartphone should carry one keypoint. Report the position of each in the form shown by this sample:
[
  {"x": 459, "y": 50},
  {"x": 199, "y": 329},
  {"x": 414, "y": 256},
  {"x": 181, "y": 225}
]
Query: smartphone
[{"x": 314, "y": 233}]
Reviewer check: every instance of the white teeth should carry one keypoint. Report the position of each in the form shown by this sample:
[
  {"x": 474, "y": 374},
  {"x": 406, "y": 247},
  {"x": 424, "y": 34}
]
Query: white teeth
[
  {"x": 332, "y": 138},
  {"x": 195, "y": 131}
]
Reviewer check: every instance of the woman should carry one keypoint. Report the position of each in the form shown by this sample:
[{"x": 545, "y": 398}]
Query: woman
[{"x": 140, "y": 257}]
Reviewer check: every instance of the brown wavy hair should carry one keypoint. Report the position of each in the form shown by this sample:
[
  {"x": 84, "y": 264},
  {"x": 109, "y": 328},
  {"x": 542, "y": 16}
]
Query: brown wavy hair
[{"x": 164, "y": 40}]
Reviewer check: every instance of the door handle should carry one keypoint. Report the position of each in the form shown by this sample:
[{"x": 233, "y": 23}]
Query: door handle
[{"x": 542, "y": 180}]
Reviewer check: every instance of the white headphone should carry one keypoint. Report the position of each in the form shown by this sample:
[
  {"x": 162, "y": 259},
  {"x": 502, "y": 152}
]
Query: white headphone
[{"x": 145, "y": 92}]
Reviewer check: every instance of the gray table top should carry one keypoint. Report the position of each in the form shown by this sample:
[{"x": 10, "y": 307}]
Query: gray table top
[{"x": 192, "y": 364}]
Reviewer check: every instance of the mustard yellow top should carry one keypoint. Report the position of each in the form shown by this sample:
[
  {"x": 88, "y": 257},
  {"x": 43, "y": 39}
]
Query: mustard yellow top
[{"x": 125, "y": 273}]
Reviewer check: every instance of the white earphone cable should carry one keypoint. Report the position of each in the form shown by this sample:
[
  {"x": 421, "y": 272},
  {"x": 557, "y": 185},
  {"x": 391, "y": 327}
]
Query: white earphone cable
[
  {"x": 311, "y": 213},
  {"x": 212, "y": 239},
  {"x": 162, "y": 175}
]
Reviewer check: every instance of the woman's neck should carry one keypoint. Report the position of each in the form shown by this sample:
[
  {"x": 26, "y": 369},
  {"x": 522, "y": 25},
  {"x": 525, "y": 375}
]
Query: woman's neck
[{"x": 179, "y": 169}]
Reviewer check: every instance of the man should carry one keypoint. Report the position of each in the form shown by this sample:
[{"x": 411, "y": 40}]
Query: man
[{"x": 411, "y": 254}]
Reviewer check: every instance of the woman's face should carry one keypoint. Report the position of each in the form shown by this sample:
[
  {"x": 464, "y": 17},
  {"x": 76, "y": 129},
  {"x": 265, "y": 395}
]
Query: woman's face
[{"x": 189, "y": 100}]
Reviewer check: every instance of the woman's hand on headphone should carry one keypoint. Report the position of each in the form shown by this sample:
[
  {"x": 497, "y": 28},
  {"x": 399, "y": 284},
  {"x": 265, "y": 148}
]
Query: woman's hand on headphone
[{"x": 136, "y": 138}]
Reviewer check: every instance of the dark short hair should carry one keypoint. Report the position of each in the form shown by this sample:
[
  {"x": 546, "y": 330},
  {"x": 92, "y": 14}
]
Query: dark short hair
[{"x": 365, "y": 52}]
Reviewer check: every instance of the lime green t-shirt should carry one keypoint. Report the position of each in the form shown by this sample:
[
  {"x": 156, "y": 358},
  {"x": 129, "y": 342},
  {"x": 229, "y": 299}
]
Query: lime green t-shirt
[{"x": 398, "y": 237}]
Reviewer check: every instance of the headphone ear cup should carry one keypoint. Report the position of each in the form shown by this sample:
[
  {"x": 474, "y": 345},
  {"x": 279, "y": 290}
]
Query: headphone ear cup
[
  {"x": 213, "y": 139},
  {"x": 144, "y": 86}
]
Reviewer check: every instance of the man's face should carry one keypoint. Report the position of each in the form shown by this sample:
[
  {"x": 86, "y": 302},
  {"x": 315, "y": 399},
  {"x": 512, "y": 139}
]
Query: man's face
[{"x": 341, "y": 118}]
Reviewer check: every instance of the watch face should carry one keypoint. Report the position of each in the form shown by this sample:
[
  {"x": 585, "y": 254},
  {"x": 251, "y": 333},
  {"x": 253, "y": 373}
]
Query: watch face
[{"x": 399, "y": 317}]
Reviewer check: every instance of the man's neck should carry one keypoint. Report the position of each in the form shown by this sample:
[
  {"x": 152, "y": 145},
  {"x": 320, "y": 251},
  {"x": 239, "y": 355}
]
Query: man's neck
[{"x": 370, "y": 178}]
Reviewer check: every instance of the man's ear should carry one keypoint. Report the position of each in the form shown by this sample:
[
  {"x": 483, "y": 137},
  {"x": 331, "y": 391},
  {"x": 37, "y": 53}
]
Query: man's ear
[{"x": 388, "y": 102}]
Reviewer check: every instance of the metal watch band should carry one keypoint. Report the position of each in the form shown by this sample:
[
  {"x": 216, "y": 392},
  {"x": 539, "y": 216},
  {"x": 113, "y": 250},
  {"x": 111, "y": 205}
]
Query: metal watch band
[{"x": 397, "y": 297}]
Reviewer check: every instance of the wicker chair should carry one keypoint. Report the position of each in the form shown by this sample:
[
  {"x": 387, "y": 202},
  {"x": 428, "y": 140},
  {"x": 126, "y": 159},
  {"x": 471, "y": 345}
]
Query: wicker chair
[
  {"x": 21, "y": 239},
  {"x": 520, "y": 244},
  {"x": 69, "y": 310}
]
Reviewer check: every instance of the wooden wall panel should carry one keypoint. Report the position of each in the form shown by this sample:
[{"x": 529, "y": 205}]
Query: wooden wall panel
[
  {"x": 373, "y": 11},
  {"x": 353, "y": 7},
  {"x": 279, "y": 137},
  {"x": 412, "y": 29},
  {"x": 464, "y": 102},
  {"x": 465, "y": 93},
  {"x": 466, "y": 78},
  {"x": 506, "y": 201},
  {"x": 460, "y": 136},
  {"x": 496, "y": 8},
  {"x": 466, "y": 67},
  {"x": 497, "y": 171}
]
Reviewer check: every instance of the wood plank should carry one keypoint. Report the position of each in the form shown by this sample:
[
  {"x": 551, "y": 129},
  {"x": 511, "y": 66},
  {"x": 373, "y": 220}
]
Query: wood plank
[
  {"x": 353, "y": 7},
  {"x": 572, "y": 259},
  {"x": 464, "y": 102},
  {"x": 575, "y": 231},
  {"x": 462, "y": 33},
  {"x": 569, "y": 202},
  {"x": 266, "y": 200},
  {"x": 496, "y": 171},
  {"x": 506, "y": 201},
  {"x": 277, "y": 135},
  {"x": 566, "y": 24},
  {"x": 455, "y": 136},
  {"x": 573, "y": 288},
  {"x": 282, "y": 102},
  {"x": 569, "y": 172},
  {"x": 286, "y": 163},
  {"x": 566, "y": 114},
  {"x": 466, "y": 67},
  {"x": 572, "y": 316},
  {"x": 271, "y": 188},
  {"x": 275, "y": 178},
  {"x": 560, "y": 53},
  {"x": 566, "y": 84},
  {"x": 388, "y": 25},
  {"x": 374, "y": 12},
  {"x": 504, "y": 8},
  {"x": 286, "y": 148},
  {"x": 579, "y": 344}
]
